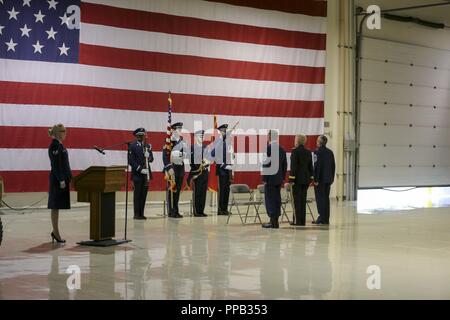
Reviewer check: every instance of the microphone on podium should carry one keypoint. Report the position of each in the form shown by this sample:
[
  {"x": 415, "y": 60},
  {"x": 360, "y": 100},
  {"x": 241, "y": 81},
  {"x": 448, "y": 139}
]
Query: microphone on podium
[{"x": 99, "y": 150}]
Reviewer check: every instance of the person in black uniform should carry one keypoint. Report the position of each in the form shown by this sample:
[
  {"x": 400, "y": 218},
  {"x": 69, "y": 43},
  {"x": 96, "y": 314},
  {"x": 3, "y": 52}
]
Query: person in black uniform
[
  {"x": 274, "y": 173},
  {"x": 59, "y": 178},
  {"x": 138, "y": 153},
  {"x": 198, "y": 176},
  {"x": 174, "y": 168},
  {"x": 324, "y": 170},
  {"x": 300, "y": 176},
  {"x": 223, "y": 154}
]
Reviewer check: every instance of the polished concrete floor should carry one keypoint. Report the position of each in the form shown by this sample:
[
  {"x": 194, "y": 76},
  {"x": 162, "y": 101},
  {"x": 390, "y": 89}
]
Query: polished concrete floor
[{"x": 203, "y": 258}]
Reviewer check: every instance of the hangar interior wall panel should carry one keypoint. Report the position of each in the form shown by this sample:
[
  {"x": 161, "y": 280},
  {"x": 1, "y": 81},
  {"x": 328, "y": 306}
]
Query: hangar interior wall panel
[{"x": 404, "y": 115}]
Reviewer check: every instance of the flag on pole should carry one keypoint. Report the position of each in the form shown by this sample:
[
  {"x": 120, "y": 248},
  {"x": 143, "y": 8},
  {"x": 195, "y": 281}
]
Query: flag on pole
[
  {"x": 169, "y": 125},
  {"x": 212, "y": 181},
  {"x": 168, "y": 145}
]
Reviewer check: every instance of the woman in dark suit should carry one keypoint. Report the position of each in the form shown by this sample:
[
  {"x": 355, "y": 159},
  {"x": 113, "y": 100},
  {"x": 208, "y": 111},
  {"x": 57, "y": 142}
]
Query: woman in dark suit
[{"x": 59, "y": 178}]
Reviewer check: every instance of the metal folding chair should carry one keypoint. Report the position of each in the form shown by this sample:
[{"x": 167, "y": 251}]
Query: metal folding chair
[
  {"x": 284, "y": 201},
  {"x": 241, "y": 195},
  {"x": 287, "y": 187}
]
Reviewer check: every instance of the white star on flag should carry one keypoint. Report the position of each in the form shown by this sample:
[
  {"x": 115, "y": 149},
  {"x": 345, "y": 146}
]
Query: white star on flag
[
  {"x": 63, "y": 49},
  {"x": 13, "y": 14},
  {"x": 51, "y": 33},
  {"x": 11, "y": 45},
  {"x": 1, "y": 28},
  {"x": 64, "y": 20},
  {"x": 37, "y": 47},
  {"x": 26, "y": 3},
  {"x": 25, "y": 31},
  {"x": 52, "y": 4},
  {"x": 39, "y": 16}
]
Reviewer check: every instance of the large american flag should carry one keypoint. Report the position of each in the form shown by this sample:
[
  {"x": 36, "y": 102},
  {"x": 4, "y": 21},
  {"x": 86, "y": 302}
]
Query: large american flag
[{"x": 261, "y": 63}]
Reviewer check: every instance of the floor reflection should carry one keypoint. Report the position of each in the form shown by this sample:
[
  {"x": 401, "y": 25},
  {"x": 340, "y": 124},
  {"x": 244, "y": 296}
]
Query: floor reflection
[{"x": 203, "y": 258}]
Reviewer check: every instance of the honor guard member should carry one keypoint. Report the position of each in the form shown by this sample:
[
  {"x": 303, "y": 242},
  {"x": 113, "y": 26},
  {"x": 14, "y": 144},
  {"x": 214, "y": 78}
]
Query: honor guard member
[
  {"x": 198, "y": 176},
  {"x": 140, "y": 156},
  {"x": 174, "y": 167},
  {"x": 223, "y": 156},
  {"x": 301, "y": 175},
  {"x": 274, "y": 173}
]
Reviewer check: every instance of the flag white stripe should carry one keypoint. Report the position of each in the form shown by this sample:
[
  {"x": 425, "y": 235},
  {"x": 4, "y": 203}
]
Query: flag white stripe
[
  {"x": 225, "y": 13},
  {"x": 60, "y": 73},
  {"x": 81, "y": 159},
  {"x": 101, "y": 118},
  {"x": 184, "y": 45}
]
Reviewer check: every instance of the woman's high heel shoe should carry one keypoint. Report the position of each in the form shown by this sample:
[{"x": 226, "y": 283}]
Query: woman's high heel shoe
[{"x": 54, "y": 238}]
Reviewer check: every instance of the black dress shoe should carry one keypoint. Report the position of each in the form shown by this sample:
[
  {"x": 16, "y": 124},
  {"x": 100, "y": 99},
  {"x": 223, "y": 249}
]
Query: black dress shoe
[
  {"x": 223, "y": 213},
  {"x": 297, "y": 224},
  {"x": 58, "y": 240},
  {"x": 178, "y": 216},
  {"x": 139, "y": 218},
  {"x": 267, "y": 225},
  {"x": 200, "y": 215}
]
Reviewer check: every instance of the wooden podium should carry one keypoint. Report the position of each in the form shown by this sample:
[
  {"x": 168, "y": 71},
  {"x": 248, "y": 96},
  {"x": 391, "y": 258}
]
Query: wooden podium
[{"x": 98, "y": 185}]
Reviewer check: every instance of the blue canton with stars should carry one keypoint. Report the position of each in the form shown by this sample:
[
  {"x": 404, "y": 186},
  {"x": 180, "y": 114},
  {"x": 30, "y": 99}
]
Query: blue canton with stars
[{"x": 38, "y": 30}]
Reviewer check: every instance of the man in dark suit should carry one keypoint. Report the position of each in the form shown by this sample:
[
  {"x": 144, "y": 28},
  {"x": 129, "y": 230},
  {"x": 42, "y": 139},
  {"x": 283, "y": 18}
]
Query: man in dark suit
[
  {"x": 174, "y": 167},
  {"x": 139, "y": 157},
  {"x": 274, "y": 173},
  {"x": 198, "y": 176},
  {"x": 300, "y": 176},
  {"x": 223, "y": 156},
  {"x": 324, "y": 170}
]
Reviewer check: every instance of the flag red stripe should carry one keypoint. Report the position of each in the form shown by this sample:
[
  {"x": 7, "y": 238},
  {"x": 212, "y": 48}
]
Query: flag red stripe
[
  {"x": 184, "y": 64},
  {"x": 164, "y": 23},
  {"x": 19, "y": 181},
  {"x": 75, "y": 95},
  {"x": 86, "y": 138},
  {"x": 307, "y": 7}
]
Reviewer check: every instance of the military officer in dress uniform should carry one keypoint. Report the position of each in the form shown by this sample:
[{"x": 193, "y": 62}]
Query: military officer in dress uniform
[
  {"x": 198, "y": 176},
  {"x": 301, "y": 175},
  {"x": 174, "y": 168},
  {"x": 59, "y": 178},
  {"x": 140, "y": 156},
  {"x": 223, "y": 156}
]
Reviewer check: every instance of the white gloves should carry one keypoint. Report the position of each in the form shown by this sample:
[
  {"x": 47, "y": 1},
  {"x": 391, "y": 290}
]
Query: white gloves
[
  {"x": 144, "y": 171},
  {"x": 62, "y": 184},
  {"x": 171, "y": 172},
  {"x": 146, "y": 154}
]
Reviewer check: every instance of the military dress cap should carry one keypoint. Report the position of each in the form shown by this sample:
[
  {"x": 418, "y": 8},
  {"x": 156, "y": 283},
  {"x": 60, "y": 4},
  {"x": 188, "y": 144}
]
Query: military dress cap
[
  {"x": 177, "y": 125},
  {"x": 223, "y": 127},
  {"x": 199, "y": 132},
  {"x": 139, "y": 131}
]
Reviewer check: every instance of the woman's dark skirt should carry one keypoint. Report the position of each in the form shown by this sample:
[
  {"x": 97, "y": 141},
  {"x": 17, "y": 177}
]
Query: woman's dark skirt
[{"x": 58, "y": 198}]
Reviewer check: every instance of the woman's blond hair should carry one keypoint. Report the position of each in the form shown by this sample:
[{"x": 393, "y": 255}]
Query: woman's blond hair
[{"x": 56, "y": 129}]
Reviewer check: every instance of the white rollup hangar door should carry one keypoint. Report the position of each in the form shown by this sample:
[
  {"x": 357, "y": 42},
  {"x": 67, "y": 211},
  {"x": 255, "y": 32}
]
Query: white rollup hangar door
[{"x": 404, "y": 115}]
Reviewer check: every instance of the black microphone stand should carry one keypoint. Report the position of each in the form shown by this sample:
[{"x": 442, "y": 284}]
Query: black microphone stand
[{"x": 101, "y": 150}]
